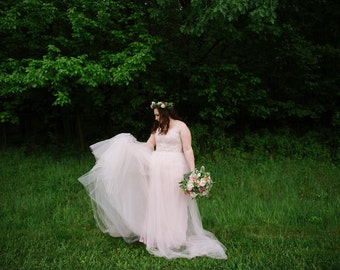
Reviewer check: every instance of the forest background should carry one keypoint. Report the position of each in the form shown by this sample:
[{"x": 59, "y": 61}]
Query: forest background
[
  {"x": 242, "y": 73},
  {"x": 257, "y": 82}
]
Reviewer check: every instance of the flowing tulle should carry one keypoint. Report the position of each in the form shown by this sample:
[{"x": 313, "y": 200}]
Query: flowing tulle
[
  {"x": 118, "y": 187},
  {"x": 135, "y": 195},
  {"x": 173, "y": 223}
]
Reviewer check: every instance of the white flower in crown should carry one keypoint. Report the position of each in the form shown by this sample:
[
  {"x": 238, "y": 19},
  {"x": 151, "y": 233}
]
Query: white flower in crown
[
  {"x": 153, "y": 105},
  {"x": 160, "y": 104}
]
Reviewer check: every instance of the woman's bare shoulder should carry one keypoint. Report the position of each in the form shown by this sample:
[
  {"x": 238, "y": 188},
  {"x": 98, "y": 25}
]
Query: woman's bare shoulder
[{"x": 180, "y": 125}]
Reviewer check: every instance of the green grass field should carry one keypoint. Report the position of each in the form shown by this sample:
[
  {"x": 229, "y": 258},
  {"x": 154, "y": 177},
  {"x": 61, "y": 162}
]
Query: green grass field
[{"x": 270, "y": 214}]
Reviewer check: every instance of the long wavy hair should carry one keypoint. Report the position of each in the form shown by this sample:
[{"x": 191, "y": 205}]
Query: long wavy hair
[{"x": 164, "y": 117}]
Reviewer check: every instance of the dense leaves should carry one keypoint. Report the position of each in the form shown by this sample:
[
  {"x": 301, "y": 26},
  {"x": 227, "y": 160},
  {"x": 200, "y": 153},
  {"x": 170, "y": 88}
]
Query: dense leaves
[
  {"x": 76, "y": 54},
  {"x": 91, "y": 67}
]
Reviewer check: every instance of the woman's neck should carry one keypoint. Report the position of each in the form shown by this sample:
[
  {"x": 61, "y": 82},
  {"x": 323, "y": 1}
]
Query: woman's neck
[{"x": 171, "y": 122}]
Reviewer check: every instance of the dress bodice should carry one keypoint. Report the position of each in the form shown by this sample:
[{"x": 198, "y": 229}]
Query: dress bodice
[{"x": 170, "y": 142}]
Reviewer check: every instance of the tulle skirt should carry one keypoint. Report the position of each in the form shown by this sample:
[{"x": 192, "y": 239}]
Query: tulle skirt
[{"x": 135, "y": 195}]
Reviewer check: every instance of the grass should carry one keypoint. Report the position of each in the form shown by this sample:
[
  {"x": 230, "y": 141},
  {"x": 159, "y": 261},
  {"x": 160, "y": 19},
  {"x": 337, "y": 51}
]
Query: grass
[{"x": 270, "y": 214}]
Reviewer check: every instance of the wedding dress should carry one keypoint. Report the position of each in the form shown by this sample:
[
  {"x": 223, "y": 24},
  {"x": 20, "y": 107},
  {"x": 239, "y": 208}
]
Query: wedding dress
[{"x": 135, "y": 195}]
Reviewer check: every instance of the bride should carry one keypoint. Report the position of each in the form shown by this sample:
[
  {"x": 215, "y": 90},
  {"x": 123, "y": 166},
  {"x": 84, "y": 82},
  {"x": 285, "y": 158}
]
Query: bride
[{"x": 135, "y": 193}]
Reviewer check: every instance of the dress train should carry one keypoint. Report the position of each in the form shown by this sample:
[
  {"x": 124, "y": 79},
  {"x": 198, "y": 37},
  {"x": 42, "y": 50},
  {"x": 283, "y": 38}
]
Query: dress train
[{"x": 135, "y": 194}]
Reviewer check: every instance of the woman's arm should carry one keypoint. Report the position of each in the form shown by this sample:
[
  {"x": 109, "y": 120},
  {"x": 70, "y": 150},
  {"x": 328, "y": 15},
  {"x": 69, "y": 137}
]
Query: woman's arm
[
  {"x": 151, "y": 142},
  {"x": 186, "y": 144}
]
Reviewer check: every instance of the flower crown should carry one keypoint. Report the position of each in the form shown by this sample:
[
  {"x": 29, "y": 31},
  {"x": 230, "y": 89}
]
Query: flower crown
[{"x": 160, "y": 104}]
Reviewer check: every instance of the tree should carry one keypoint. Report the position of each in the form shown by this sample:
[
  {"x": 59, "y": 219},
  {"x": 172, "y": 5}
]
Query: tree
[
  {"x": 228, "y": 65},
  {"x": 205, "y": 55},
  {"x": 74, "y": 54}
]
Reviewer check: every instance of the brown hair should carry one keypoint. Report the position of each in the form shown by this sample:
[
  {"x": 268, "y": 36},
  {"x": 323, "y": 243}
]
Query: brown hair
[{"x": 164, "y": 115}]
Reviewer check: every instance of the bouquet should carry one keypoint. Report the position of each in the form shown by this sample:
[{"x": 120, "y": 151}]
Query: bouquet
[{"x": 196, "y": 183}]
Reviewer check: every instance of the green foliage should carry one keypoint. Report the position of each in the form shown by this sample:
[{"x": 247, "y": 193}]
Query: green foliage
[
  {"x": 223, "y": 100},
  {"x": 281, "y": 144},
  {"x": 202, "y": 15},
  {"x": 205, "y": 140},
  {"x": 75, "y": 57},
  {"x": 225, "y": 64},
  {"x": 302, "y": 76},
  {"x": 285, "y": 144}
]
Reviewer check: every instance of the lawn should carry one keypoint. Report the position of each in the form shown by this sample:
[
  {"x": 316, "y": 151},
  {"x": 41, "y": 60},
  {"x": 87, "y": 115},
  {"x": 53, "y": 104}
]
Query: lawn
[{"x": 270, "y": 213}]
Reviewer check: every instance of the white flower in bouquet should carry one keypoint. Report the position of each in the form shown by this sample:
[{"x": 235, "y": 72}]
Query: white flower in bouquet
[
  {"x": 203, "y": 182},
  {"x": 190, "y": 185}
]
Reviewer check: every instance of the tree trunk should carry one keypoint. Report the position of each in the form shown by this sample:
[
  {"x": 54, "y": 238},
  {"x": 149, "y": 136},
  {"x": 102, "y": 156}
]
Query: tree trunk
[{"x": 80, "y": 131}]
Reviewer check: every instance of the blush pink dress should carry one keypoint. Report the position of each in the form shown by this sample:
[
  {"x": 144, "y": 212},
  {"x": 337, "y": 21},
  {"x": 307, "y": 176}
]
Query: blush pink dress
[{"x": 135, "y": 195}]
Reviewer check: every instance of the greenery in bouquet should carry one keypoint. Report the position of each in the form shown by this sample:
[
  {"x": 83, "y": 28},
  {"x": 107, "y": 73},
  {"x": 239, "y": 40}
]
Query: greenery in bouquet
[{"x": 196, "y": 183}]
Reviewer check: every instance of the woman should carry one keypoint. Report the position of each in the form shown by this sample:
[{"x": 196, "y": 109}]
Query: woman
[{"x": 135, "y": 191}]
